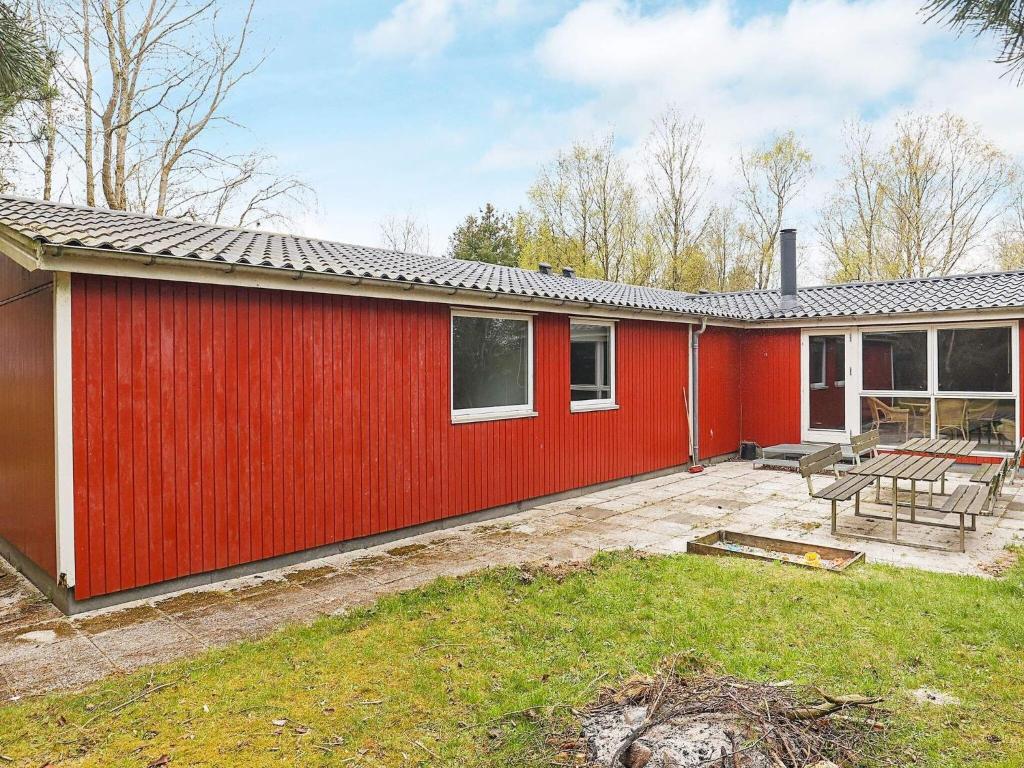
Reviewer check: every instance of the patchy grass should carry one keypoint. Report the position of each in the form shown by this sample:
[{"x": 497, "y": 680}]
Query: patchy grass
[{"x": 478, "y": 671}]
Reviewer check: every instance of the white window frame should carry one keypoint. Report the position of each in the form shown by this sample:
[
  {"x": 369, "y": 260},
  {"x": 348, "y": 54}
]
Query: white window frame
[
  {"x": 932, "y": 393},
  {"x": 468, "y": 415},
  {"x": 602, "y": 404}
]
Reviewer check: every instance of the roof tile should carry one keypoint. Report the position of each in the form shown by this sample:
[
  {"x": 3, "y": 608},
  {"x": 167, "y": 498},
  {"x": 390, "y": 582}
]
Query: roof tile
[{"x": 62, "y": 224}]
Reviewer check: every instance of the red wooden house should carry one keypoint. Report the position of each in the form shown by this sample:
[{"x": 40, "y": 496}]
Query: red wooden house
[{"x": 184, "y": 403}]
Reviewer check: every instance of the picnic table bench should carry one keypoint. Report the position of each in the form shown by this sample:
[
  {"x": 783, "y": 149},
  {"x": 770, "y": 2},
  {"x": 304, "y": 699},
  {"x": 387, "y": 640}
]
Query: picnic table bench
[
  {"x": 916, "y": 469},
  {"x": 843, "y": 489}
]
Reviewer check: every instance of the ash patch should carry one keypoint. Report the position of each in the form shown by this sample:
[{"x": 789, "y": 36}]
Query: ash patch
[
  {"x": 685, "y": 720},
  {"x": 685, "y": 742}
]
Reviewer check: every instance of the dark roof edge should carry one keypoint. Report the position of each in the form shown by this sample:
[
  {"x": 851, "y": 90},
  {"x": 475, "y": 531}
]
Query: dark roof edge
[
  {"x": 143, "y": 259},
  {"x": 863, "y": 283}
]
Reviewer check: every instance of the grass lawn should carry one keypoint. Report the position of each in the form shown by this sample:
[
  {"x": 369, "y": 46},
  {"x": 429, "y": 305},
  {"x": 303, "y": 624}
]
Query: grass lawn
[{"x": 427, "y": 677}]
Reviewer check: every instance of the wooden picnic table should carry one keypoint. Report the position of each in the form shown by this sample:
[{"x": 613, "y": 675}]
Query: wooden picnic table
[
  {"x": 899, "y": 466},
  {"x": 939, "y": 446}
]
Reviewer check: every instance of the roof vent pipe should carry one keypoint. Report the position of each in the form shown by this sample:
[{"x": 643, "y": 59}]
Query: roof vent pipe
[
  {"x": 568, "y": 272},
  {"x": 788, "y": 299},
  {"x": 544, "y": 268}
]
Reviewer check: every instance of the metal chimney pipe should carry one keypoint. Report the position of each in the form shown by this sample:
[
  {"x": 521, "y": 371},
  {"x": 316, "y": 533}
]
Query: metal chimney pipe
[{"x": 788, "y": 298}]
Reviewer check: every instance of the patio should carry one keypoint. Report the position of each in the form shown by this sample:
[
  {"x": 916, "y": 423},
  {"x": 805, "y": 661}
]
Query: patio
[{"x": 42, "y": 650}]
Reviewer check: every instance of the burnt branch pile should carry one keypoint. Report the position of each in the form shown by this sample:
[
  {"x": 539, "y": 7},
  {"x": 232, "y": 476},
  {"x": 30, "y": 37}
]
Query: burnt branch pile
[{"x": 673, "y": 720}]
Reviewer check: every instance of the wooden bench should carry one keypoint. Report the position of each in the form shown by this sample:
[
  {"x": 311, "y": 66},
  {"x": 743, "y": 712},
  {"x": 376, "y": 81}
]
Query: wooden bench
[
  {"x": 863, "y": 444},
  {"x": 966, "y": 501},
  {"x": 1013, "y": 465},
  {"x": 991, "y": 475},
  {"x": 843, "y": 489}
]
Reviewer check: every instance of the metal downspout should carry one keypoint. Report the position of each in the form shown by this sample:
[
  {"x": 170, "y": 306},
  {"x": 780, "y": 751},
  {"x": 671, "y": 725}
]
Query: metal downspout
[{"x": 695, "y": 389}]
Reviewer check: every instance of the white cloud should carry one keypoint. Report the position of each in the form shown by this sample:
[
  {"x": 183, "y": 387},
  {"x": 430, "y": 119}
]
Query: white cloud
[
  {"x": 415, "y": 29},
  {"x": 808, "y": 67},
  {"x": 421, "y": 29}
]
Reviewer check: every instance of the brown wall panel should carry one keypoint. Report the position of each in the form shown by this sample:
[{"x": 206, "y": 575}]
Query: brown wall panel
[{"x": 27, "y": 483}]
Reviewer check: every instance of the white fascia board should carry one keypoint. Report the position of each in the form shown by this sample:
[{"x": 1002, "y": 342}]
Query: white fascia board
[{"x": 21, "y": 250}]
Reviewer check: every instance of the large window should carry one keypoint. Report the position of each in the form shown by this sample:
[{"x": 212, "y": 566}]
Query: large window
[
  {"x": 975, "y": 360},
  {"x": 950, "y": 381},
  {"x": 895, "y": 361},
  {"x": 591, "y": 364},
  {"x": 492, "y": 366}
]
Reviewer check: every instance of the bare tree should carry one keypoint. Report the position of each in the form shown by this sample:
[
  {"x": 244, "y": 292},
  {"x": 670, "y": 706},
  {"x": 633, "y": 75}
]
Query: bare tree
[
  {"x": 405, "y": 233},
  {"x": 852, "y": 224},
  {"x": 945, "y": 182},
  {"x": 565, "y": 204},
  {"x": 1010, "y": 238},
  {"x": 616, "y": 229},
  {"x": 927, "y": 204},
  {"x": 588, "y": 210},
  {"x": 153, "y": 79},
  {"x": 772, "y": 176},
  {"x": 677, "y": 185},
  {"x": 727, "y": 263}
]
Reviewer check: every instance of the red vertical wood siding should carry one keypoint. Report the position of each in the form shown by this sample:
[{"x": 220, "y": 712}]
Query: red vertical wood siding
[
  {"x": 720, "y": 390},
  {"x": 749, "y": 388},
  {"x": 27, "y": 482},
  {"x": 771, "y": 386},
  {"x": 215, "y": 426}
]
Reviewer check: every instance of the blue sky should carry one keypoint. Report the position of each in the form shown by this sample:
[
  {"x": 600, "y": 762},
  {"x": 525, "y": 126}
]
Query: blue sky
[{"x": 433, "y": 107}]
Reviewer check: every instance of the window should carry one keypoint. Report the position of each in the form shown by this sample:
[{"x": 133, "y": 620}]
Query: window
[
  {"x": 816, "y": 369},
  {"x": 975, "y": 360},
  {"x": 591, "y": 364},
  {"x": 826, "y": 373},
  {"x": 895, "y": 361},
  {"x": 492, "y": 366},
  {"x": 951, "y": 381},
  {"x": 897, "y": 419}
]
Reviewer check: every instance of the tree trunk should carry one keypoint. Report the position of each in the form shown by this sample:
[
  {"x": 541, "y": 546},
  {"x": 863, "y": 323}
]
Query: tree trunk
[{"x": 87, "y": 98}]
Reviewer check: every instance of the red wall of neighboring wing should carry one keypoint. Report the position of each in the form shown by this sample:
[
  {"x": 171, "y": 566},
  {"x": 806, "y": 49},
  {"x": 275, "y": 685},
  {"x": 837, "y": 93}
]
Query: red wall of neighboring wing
[
  {"x": 27, "y": 495},
  {"x": 771, "y": 386},
  {"x": 749, "y": 388},
  {"x": 720, "y": 391},
  {"x": 215, "y": 426}
]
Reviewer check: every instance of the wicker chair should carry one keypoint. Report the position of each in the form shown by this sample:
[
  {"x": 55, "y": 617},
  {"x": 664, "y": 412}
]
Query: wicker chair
[
  {"x": 982, "y": 419},
  {"x": 951, "y": 415},
  {"x": 887, "y": 414}
]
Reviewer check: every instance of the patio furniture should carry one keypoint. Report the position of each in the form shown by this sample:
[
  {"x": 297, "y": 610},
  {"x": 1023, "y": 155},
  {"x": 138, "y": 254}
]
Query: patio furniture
[
  {"x": 991, "y": 476},
  {"x": 842, "y": 489},
  {"x": 1005, "y": 429},
  {"x": 916, "y": 469},
  {"x": 951, "y": 415},
  {"x": 888, "y": 414},
  {"x": 789, "y": 454},
  {"x": 938, "y": 447},
  {"x": 1013, "y": 465},
  {"x": 982, "y": 419},
  {"x": 863, "y": 444}
]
